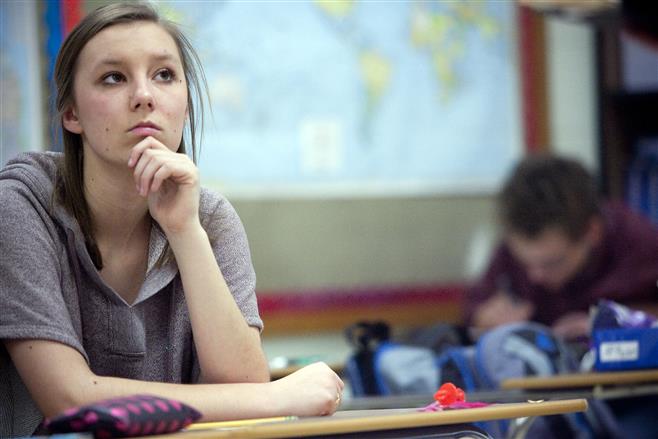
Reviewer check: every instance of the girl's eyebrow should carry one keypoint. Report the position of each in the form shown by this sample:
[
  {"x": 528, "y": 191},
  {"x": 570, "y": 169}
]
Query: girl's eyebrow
[
  {"x": 160, "y": 57},
  {"x": 109, "y": 62}
]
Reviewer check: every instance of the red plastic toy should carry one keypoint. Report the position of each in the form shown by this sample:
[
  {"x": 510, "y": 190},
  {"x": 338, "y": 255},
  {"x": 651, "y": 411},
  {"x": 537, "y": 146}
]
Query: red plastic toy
[{"x": 449, "y": 394}]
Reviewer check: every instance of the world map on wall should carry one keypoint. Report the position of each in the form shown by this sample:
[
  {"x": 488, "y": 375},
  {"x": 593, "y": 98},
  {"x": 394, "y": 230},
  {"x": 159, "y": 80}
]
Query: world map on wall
[
  {"x": 354, "y": 97},
  {"x": 20, "y": 97}
]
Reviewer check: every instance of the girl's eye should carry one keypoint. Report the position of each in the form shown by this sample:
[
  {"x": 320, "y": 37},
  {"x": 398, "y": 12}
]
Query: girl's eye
[
  {"x": 165, "y": 75},
  {"x": 113, "y": 78}
]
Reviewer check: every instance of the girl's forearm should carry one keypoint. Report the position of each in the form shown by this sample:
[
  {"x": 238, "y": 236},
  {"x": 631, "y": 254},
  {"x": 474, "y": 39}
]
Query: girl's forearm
[
  {"x": 214, "y": 401},
  {"x": 229, "y": 350}
]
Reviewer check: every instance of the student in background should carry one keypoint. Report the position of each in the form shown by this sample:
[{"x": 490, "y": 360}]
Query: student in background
[
  {"x": 120, "y": 275},
  {"x": 563, "y": 249}
]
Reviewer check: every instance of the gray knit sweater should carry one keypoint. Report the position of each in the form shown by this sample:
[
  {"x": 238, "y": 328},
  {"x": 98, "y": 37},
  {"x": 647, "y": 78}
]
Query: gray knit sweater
[{"x": 50, "y": 290}]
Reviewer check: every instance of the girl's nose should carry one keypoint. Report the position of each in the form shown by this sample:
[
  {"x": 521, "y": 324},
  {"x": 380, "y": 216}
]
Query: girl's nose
[{"x": 142, "y": 98}]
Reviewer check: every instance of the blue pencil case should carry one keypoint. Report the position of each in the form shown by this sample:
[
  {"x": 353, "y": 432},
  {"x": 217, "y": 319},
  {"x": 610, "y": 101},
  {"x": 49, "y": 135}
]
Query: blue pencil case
[{"x": 625, "y": 348}]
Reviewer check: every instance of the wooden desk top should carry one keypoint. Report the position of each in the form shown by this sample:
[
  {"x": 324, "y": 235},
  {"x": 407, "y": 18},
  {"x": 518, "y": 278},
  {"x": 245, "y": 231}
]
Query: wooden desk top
[
  {"x": 380, "y": 420},
  {"x": 280, "y": 372},
  {"x": 579, "y": 380}
]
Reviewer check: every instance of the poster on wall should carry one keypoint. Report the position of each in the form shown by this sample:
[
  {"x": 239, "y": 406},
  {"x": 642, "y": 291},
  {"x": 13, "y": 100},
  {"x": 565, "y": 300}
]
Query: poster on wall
[
  {"x": 351, "y": 98},
  {"x": 325, "y": 98},
  {"x": 21, "y": 111}
]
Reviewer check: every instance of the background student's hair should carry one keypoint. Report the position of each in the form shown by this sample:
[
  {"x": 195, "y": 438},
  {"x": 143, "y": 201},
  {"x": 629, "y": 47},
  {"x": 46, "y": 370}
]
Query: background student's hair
[
  {"x": 546, "y": 191},
  {"x": 70, "y": 190}
]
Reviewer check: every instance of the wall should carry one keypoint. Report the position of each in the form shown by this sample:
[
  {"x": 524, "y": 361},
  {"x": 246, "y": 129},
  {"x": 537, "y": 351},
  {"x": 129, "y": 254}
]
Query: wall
[
  {"x": 310, "y": 244},
  {"x": 300, "y": 244},
  {"x": 572, "y": 90},
  {"x": 305, "y": 245}
]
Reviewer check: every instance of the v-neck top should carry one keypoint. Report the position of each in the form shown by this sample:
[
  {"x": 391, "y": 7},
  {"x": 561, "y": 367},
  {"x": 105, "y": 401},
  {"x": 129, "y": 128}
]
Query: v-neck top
[{"x": 51, "y": 290}]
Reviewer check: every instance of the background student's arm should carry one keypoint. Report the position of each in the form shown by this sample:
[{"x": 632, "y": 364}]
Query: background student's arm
[
  {"x": 58, "y": 378},
  {"x": 572, "y": 325},
  {"x": 632, "y": 277},
  {"x": 229, "y": 350},
  {"x": 492, "y": 301},
  {"x": 632, "y": 283},
  {"x": 501, "y": 309}
]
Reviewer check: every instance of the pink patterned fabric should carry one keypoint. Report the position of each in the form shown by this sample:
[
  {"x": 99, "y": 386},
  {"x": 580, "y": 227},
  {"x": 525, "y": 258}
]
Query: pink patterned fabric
[
  {"x": 436, "y": 407},
  {"x": 138, "y": 415}
]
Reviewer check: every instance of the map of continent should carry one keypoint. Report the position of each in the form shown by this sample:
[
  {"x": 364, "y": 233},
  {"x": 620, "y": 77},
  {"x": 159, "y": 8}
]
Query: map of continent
[{"x": 355, "y": 97}]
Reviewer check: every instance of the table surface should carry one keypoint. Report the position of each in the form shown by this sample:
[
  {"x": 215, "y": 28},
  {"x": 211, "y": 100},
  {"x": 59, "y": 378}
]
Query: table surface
[
  {"x": 280, "y": 372},
  {"x": 355, "y": 421},
  {"x": 579, "y": 380}
]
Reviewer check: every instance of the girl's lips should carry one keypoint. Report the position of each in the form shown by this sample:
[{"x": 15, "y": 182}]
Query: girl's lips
[{"x": 144, "y": 131}]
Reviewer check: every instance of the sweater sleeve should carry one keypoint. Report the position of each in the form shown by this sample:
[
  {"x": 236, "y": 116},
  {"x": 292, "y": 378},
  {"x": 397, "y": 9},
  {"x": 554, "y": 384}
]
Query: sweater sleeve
[
  {"x": 632, "y": 274},
  {"x": 231, "y": 248},
  {"x": 487, "y": 285},
  {"x": 32, "y": 300}
]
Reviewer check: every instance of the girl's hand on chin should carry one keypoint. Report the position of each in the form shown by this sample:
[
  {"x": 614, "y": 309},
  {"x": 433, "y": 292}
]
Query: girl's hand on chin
[{"x": 170, "y": 181}]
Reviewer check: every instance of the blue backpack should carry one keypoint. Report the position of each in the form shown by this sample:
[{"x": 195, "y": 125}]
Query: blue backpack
[
  {"x": 510, "y": 351},
  {"x": 381, "y": 366}
]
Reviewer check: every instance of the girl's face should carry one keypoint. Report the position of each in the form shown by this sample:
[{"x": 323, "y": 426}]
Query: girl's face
[{"x": 129, "y": 84}]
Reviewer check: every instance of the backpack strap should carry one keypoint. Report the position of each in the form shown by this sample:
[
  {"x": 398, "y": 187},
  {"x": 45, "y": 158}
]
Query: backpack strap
[
  {"x": 365, "y": 337},
  {"x": 534, "y": 357},
  {"x": 456, "y": 365}
]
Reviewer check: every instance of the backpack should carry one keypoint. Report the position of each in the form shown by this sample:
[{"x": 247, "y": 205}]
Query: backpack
[
  {"x": 518, "y": 350},
  {"x": 382, "y": 366},
  {"x": 509, "y": 351}
]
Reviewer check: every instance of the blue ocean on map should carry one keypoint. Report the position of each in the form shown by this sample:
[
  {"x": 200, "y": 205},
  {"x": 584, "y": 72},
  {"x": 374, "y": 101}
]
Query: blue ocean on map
[{"x": 356, "y": 97}]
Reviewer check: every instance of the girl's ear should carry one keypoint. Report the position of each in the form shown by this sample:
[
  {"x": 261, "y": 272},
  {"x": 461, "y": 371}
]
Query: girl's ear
[{"x": 71, "y": 122}]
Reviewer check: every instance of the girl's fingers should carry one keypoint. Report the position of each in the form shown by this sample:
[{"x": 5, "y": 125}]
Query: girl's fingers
[
  {"x": 143, "y": 145},
  {"x": 154, "y": 167},
  {"x": 140, "y": 166},
  {"x": 162, "y": 173},
  {"x": 153, "y": 163},
  {"x": 146, "y": 166},
  {"x": 150, "y": 169},
  {"x": 140, "y": 155},
  {"x": 136, "y": 152}
]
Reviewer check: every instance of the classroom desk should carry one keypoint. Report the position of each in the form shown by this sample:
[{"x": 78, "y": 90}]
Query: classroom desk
[
  {"x": 280, "y": 372},
  {"x": 420, "y": 400},
  {"x": 603, "y": 385},
  {"x": 399, "y": 420}
]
